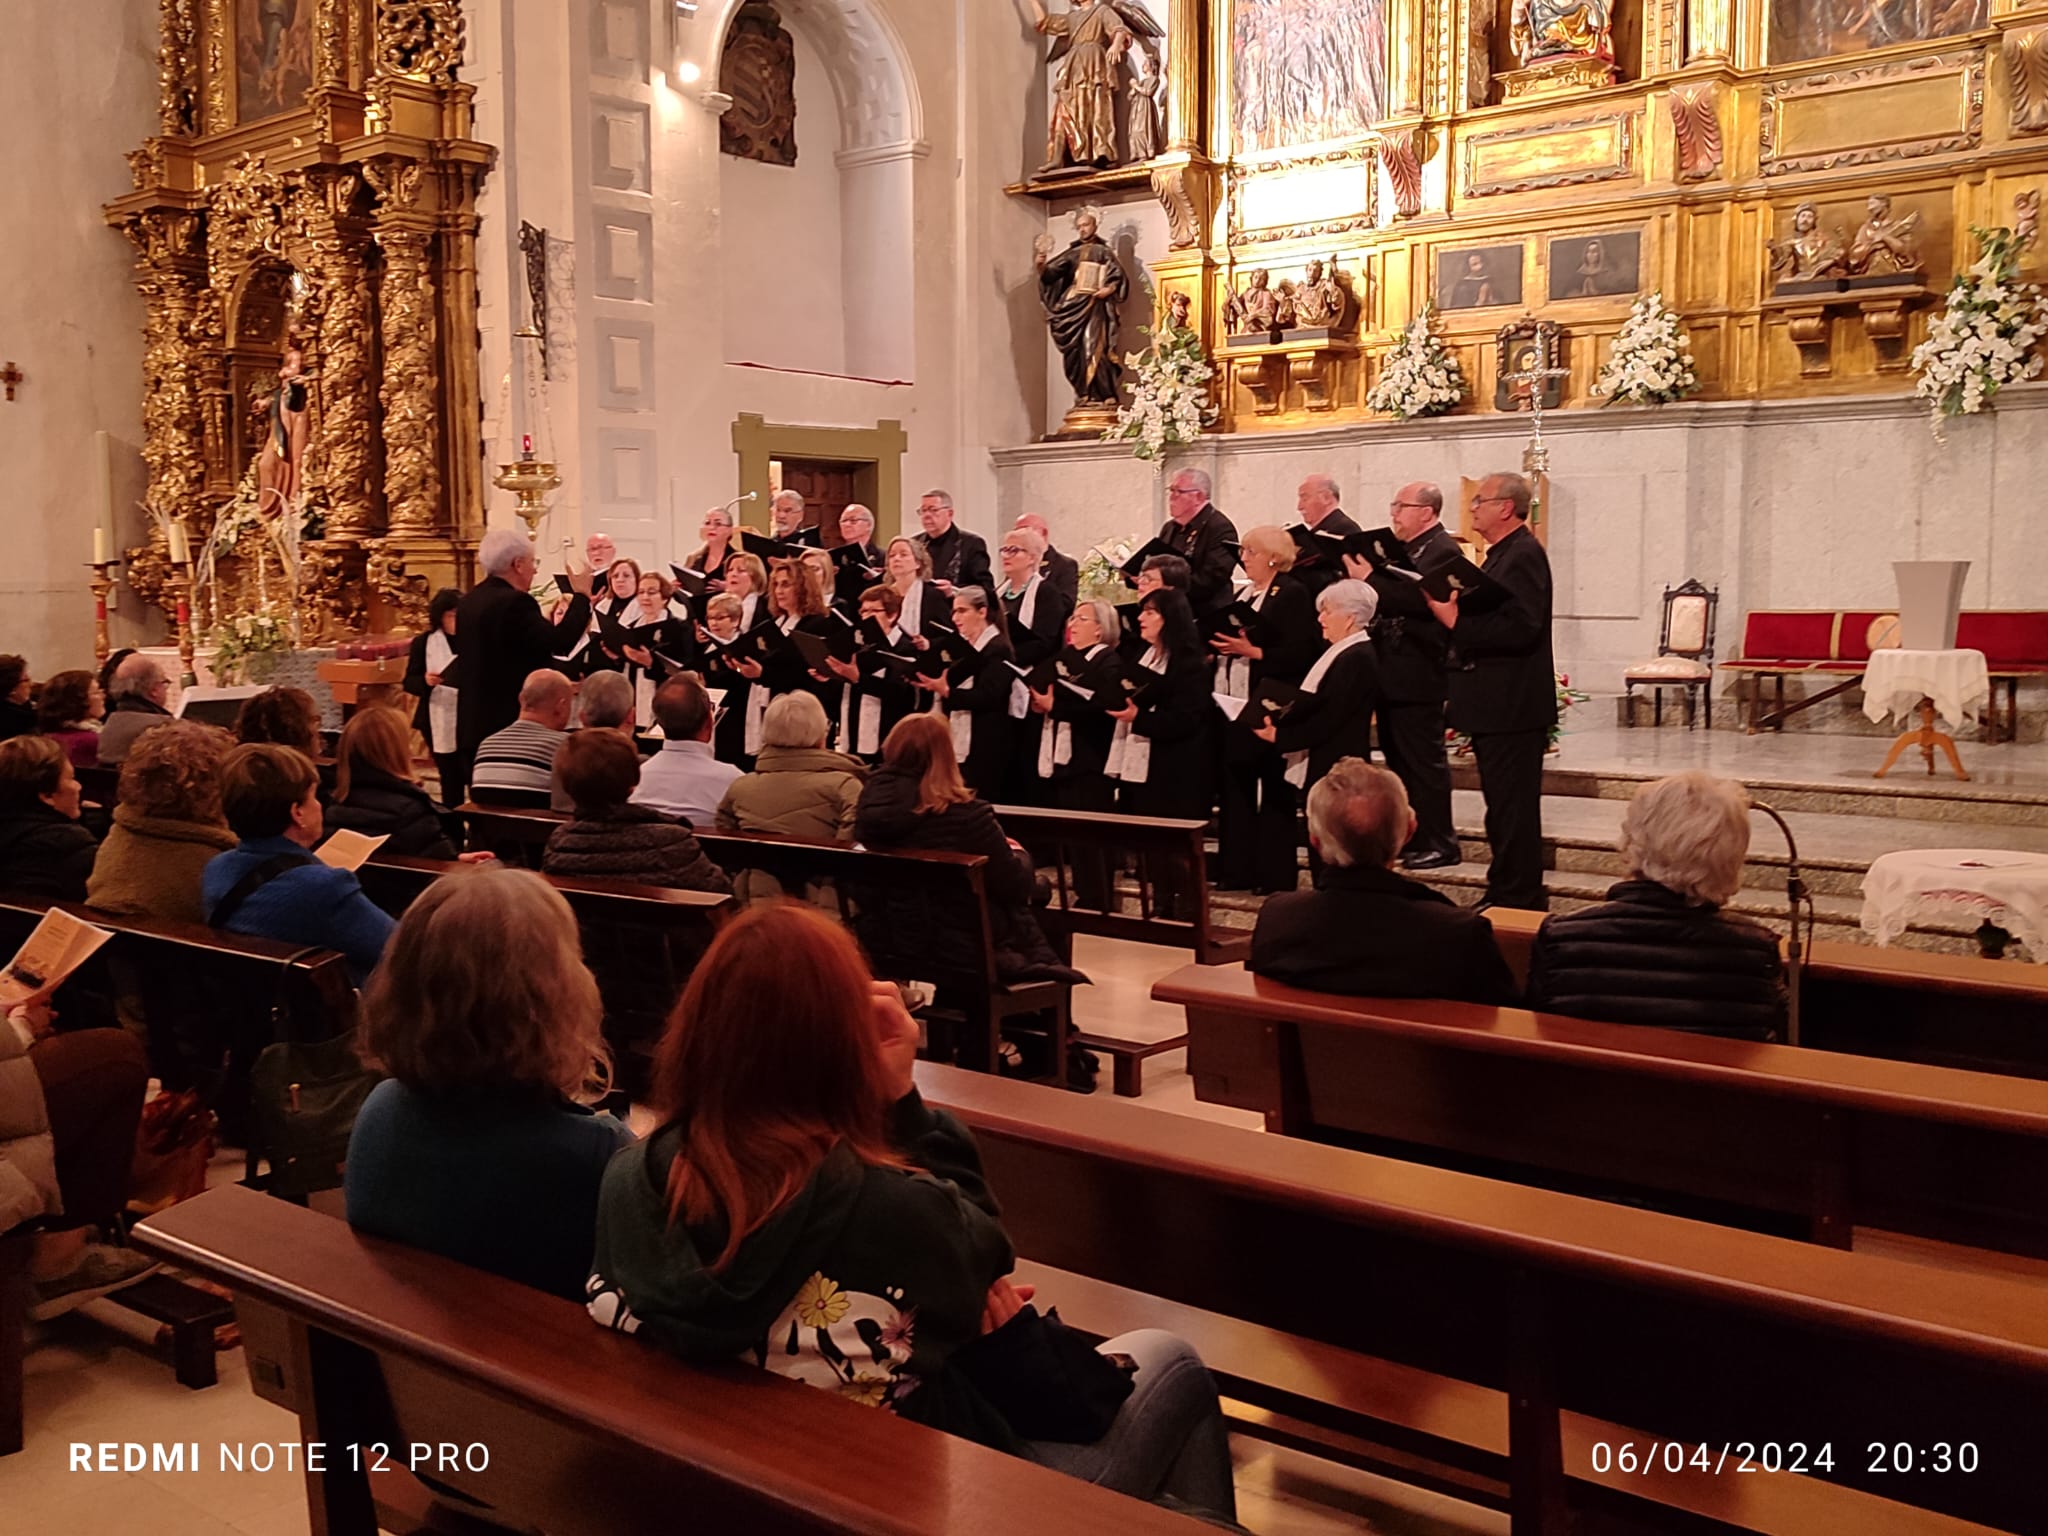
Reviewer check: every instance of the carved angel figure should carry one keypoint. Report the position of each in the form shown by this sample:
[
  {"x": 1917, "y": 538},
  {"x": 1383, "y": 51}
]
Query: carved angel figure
[
  {"x": 1809, "y": 252},
  {"x": 1090, "y": 41},
  {"x": 1148, "y": 97},
  {"x": 1883, "y": 243}
]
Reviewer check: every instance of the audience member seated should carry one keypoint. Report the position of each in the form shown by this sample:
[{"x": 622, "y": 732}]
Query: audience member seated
[
  {"x": 17, "y": 713},
  {"x": 70, "y": 713},
  {"x": 683, "y": 779},
  {"x": 1366, "y": 930},
  {"x": 609, "y": 837},
  {"x": 69, "y": 1108},
  {"x": 800, "y": 1206},
  {"x": 605, "y": 702},
  {"x": 167, "y": 826},
  {"x": 286, "y": 716},
  {"x": 522, "y": 755},
  {"x": 135, "y": 703},
  {"x": 1659, "y": 951},
  {"x": 270, "y": 884},
  {"x": 375, "y": 792},
  {"x": 799, "y": 787},
  {"x": 916, "y": 799},
  {"x": 45, "y": 855},
  {"x": 480, "y": 1145}
]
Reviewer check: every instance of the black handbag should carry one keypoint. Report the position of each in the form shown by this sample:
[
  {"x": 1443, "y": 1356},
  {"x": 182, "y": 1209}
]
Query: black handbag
[
  {"x": 305, "y": 1098},
  {"x": 1048, "y": 1382}
]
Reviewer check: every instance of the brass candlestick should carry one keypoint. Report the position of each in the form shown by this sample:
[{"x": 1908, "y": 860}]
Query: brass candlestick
[
  {"x": 181, "y": 588},
  {"x": 102, "y": 583}
]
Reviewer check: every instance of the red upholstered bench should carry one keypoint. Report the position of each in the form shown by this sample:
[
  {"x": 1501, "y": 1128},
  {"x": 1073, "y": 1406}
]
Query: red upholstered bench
[{"x": 1777, "y": 643}]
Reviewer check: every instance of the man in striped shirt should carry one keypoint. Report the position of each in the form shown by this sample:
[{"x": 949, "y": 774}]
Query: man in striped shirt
[{"x": 522, "y": 755}]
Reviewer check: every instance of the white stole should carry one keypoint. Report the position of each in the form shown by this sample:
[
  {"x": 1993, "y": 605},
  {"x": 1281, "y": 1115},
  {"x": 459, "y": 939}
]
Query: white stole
[
  {"x": 1056, "y": 737},
  {"x": 1130, "y": 755},
  {"x": 441, "y": 701},
  {"x": 1297, "y": 762},
  {"x": 1234, "y": 677}
]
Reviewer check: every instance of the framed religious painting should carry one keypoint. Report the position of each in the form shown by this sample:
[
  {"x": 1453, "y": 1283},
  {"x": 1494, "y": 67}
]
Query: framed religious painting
[
  {"x": 273, "y": 56},
  {"x": 1479, "y": 276},
  {"x": 1528, "y": 365},
  {"x": 1606, "y": 265},
  {"x": 1827, "y": 29}
]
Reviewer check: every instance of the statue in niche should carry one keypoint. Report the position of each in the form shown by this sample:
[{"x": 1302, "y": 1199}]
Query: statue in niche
[
  {"x": 1884, "y": 244},
  {"x": 1810, "y": 253},
  {"x": 1539, "y": 30},
  {"x": 1148, "y": 103},
  {"x": 1090, "y": 41},
  {"x": 281, "y": 460},
  {"x": 758, "y": 71},
  {"x": 1255, "y": 309},
  {"x": 1083, "y": 289}
]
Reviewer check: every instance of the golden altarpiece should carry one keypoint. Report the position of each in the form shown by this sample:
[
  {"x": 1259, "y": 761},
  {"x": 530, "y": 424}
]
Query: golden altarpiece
[
  {"x": 305, "y": 228},
  {"x": 1527, "y": 168}
]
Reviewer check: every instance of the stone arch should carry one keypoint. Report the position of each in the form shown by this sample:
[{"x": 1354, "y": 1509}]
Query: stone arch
[{"x": 873, "y": 83}]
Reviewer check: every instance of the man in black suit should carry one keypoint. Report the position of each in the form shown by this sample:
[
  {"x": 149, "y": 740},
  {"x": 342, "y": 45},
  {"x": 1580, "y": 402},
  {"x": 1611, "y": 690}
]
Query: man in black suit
[
  {"x": 852, "y": 559},
  {"x": 1503, "y": 689},
  {"x": 786, "y": 521},
  {"x": 1364, "y": 930},
  {"x": 1203, "y": 537},
  {"x": 1317, "y": 500},
  {"x": 1333, "y": 717},
  {"x": 1411, "y": 647},
  {"x": 505, "y": 637},
  {"x": 1062, "y": 572},
  {"x": 959, "y": 558}
]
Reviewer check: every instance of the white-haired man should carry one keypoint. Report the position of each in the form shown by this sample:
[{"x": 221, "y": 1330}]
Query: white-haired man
[
  {"x": 786, "y": 520},
  {"x": 1203, "y": 537},
  {"x": 1320, "y": 504},
  {"x": 505, "y": 637},
  {"x": 135, "y": 702},
  {"x": 959, "y": 558},
  {"x": 1366, "y": 930},
  {"x": 858, "y": 562}
]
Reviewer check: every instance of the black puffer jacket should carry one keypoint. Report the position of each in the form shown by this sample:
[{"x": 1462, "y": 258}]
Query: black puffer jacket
[
  {"x": 632, "y": 843},
  {"x": 888, "y": 821},
  {"x": 44, "y": 854},
  {"x": 380, "y": 803},
  {"x": 1646, "y": 957}
]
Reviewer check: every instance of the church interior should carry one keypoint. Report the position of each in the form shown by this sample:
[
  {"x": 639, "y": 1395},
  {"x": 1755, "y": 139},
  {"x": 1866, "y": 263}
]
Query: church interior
[{"x": 1663, "y": 377}]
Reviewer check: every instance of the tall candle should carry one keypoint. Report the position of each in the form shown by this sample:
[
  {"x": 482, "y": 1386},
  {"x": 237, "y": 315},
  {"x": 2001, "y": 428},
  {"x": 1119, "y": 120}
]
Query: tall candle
[
  {"x": 181, "y": 552},
  {"x": 103, "y": 478},
  {"x": 102, "y": 546}
]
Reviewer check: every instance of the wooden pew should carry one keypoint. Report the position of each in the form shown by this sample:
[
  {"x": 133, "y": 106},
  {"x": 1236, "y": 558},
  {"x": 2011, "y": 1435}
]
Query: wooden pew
[
  {"x": 894, "y": 903},
  {"x": 1812, "y": 1141},
  {"x": 1461, "y": 1333},
  {"x": 583, "y": 1431},
  {"x": 640, "y": 941},
  {"x": 1898, "y": 1004},
  {"x": 1063, "y": 843}
]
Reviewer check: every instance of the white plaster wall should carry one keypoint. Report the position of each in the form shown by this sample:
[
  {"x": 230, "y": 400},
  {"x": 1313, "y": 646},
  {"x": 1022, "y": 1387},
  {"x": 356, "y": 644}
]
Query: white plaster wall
[
  {"x": 79, "y": 85},
  {"x": 1780, "y": 505},
  {"x": 781, "y": 240}
]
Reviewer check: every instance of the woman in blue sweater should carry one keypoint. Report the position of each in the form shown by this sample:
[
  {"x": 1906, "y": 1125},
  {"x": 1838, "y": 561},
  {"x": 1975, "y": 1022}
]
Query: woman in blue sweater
[{"x": 270, "y": 885}]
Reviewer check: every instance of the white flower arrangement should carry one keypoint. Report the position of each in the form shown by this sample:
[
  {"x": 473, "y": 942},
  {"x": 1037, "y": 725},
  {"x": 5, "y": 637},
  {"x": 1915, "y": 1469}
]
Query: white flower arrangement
[
  {"x": 1420, "y": 377},
  {"x": 1102, "y": 570},
  {"x": 1170, "y": 398},
  {"x": 1985, "y": 336},
  {"x": 247, "y": 645},
  {"x": 1651, "y": 363}
]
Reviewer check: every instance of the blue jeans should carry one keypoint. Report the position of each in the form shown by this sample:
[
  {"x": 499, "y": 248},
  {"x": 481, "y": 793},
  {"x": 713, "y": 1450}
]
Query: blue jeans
[{"x": 1168, "y": 1439}]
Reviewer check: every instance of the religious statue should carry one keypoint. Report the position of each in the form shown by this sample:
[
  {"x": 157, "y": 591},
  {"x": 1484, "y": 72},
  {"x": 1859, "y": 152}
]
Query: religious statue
[
  {"x": 1148, "y": 100},
  {"x": 1883, "y": 243},
  {"x": 1091, "y": 40},
  {"x": 1255, "y": 309},
  {"x": 1319, "y": 300},
  {"x": 1178, "y": 307},
  {"x": 1560, "y": 29},
  {"x": 1810, "y": 252},
  {"x": 282, "y": 458},
  {"x": 1083, "y": 289}
]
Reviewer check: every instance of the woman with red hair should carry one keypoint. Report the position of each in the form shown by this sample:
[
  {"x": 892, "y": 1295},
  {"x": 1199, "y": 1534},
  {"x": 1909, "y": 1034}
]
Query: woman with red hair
[{"x": 800, "y": 1206}]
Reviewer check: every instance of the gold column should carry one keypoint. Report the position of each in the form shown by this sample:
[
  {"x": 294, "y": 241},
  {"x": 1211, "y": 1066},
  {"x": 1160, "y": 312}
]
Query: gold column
[
  {"x": 412, "y": 443},
  {"x": 177, "y": 79},
  {"x": 330, "y": 50},
  {"x": 1405, "y": 51},
  {"x": 1709, "y": 31},
  {"x": 1185, "y": 98},
  {"x": 171, "y": 269},
  {"x": 218, "y": 67},
  {"x": 342, "y": 449}
]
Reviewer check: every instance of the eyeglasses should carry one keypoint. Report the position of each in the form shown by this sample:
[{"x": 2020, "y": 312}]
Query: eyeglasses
[
  {"x": 1013, "y": 549},
  {"x": 1183, "y": 490}
]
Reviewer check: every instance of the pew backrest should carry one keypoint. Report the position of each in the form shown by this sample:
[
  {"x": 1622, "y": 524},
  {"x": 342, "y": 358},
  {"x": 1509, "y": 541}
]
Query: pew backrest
[
  {"x": 1822, "y": 1140},
  {"x": 561, "y": 1425}
]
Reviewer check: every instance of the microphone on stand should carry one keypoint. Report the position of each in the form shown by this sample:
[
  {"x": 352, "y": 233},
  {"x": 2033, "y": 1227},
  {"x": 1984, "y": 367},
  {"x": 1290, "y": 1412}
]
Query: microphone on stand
[
  {"x": 743, "y": 496},
  {"x": 1795, "y": 893}
]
